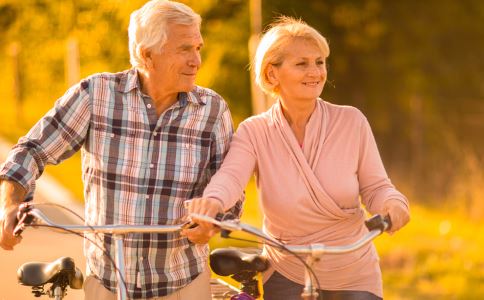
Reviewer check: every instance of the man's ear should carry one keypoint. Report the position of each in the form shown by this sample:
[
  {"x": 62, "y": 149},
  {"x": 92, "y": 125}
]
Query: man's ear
[{"x": 146, "y": 55}]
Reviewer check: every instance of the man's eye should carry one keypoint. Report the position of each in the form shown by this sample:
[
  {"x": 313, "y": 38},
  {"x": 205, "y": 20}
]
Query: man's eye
[
  {"x": 301, "y": 64},
  {"x": 321, "y": 62}
]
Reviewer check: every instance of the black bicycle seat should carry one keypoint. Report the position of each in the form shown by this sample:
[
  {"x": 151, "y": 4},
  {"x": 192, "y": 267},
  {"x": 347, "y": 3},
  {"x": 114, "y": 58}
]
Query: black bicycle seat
[
  {"x": 40, "y": 273},
  {"x": 230, "y": 261}
]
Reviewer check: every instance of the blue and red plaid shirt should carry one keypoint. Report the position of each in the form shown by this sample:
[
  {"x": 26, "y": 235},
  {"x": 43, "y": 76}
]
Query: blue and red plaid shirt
[{"x": 137, "y": 168}]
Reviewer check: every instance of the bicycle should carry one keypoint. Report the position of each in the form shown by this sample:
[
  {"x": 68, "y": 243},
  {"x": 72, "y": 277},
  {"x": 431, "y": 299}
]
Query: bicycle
[
  {"x": 243, "y": 267},
  {"x": 62, "y": 273},
  {"x": 224, "y": 261}
]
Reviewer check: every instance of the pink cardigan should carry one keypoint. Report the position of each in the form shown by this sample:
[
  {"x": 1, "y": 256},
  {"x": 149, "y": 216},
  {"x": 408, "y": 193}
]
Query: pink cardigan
[{"x": 313, "y": 194}]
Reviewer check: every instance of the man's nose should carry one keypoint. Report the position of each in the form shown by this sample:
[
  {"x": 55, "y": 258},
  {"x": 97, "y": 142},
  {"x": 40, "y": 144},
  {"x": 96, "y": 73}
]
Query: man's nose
[{"x": 195, "y": 60}]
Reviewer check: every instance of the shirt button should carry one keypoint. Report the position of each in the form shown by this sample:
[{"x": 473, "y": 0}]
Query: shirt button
[
  {"x": 152, "y": 165},
  {"x": 148, "y": 105},
  {"x": 155, "y": 134},
  {"x": 112, "y": 135},
  {"x": 141, "y": 258},
  {"x": 147, "y": 197}
]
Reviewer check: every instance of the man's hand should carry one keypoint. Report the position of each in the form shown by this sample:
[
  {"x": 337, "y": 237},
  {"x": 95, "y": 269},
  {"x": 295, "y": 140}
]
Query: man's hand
[
  {"x": 11, "y": 195},
  {"x": 8, "y": 220},
  {"x": 202, "y": 233},
  {"x": 398, "y": 213}
]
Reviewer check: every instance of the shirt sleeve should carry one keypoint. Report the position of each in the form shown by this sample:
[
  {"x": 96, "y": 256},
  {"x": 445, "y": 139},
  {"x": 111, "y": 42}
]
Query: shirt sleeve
[
  {"x": 228, "y": 184},
  {"x": 375, "y": 186},
  {"x": 55, "y": 137}
]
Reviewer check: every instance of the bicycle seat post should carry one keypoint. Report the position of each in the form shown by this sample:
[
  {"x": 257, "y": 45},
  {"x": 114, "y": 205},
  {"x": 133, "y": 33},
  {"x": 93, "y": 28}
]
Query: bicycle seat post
[
  {"x": 58, "y": 293},
  {"x": 118, "y": 242}
]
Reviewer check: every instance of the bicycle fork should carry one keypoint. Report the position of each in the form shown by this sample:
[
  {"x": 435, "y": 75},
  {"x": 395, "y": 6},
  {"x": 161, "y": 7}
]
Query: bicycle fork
[{"x": 309, "y": 291}]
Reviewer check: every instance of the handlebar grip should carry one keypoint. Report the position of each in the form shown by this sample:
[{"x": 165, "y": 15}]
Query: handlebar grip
[
  {"x": 23, "y": 218},
  {"x": 378, "y": 222}
]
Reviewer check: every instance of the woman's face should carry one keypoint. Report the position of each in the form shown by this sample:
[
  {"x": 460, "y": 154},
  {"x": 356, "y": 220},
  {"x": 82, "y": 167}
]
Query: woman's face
[{"x": 302, "y": 74}]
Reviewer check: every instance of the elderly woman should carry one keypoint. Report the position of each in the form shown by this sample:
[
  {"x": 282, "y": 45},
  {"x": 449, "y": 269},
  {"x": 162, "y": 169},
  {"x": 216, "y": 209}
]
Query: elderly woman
[{"x": 316, "y": 164}]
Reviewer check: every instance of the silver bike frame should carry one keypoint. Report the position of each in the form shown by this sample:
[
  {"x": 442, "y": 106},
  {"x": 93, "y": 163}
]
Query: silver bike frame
[
  {"x": 313, "y": 251},
  {"x": 118, "y": 232}
]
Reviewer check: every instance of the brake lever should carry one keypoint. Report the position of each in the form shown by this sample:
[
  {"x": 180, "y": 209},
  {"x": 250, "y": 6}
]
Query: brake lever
[{"x": 218, "y": 217}]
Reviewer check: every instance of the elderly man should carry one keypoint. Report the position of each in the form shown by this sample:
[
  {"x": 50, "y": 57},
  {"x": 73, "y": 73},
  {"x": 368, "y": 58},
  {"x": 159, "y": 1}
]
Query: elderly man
[{"x": 150, "y": 139}]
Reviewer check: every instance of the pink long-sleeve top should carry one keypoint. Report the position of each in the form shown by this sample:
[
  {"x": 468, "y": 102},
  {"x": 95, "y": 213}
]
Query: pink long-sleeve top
[{"x": 313, "y": 193}]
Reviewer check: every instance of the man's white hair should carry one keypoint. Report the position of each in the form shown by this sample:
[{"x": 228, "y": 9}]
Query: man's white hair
[{"x": 147, "y": 29}]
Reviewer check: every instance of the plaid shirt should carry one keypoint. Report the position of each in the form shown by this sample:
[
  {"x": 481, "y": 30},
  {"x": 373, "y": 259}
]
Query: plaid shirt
[{"x": 138, "y": 168}]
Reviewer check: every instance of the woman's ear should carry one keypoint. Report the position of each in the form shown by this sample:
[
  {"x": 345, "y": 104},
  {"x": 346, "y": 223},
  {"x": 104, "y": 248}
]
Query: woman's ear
[{"x": 271, "y": 74}]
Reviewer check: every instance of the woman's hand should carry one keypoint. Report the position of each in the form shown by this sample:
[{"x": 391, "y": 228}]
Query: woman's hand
[
  {"x": 202, "y": 233},
  {"x": 398, "y": 213}
]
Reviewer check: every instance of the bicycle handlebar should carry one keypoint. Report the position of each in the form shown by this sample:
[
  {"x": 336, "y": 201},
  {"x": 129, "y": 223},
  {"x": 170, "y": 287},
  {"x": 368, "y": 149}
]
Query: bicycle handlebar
[
  {"x": 29, "y": 215},
  {"x": 376, "y": 226}
]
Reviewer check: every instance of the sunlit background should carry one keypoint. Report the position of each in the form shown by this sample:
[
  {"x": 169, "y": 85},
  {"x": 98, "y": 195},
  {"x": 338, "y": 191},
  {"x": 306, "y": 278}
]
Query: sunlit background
[{"x": 415, "y": 68}]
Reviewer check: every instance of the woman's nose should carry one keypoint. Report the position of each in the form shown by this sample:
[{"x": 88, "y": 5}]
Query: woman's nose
[{"x": 315, "y": 70}]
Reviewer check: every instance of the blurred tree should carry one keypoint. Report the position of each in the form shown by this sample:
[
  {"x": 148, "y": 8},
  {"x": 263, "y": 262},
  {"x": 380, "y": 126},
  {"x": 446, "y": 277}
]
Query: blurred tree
[
  {"x": 42, "y": 28},
  {"x": 414, "y": 68},
  {"x": 226, "y": 32}
]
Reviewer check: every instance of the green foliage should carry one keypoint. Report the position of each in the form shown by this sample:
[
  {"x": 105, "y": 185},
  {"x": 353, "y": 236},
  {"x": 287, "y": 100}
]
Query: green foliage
[
  {"x": 414, "y": 69},
  {"x": 40, "y": 29},
  {"x": 34, "y": 40},
  {"x": 225, "y": 29}
]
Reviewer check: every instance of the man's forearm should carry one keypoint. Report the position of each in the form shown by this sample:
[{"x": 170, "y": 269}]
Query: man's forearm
[{"x": 11, "y": 193}]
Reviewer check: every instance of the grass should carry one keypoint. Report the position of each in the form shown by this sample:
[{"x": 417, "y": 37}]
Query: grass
[{"x": 437, "y": 256}]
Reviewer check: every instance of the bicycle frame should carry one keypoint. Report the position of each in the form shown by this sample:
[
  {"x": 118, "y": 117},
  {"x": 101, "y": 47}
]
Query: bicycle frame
[
  {"x": 376, "y": 225},
  {"x": 118, "y": 231}
]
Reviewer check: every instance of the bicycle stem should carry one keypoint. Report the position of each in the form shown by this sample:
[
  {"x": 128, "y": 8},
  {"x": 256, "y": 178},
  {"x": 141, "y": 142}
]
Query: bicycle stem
[{"x": 119, "y": 248}]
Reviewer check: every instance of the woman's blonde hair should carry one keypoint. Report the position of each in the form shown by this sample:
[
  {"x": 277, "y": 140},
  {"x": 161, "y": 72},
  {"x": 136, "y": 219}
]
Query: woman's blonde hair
[
  {"x": 272, "y": 45},
  {"x": 147, "y": 29}
]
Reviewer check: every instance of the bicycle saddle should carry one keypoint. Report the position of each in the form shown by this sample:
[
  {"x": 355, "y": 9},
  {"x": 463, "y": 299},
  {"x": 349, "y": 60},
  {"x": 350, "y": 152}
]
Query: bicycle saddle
[
  {"x": 40, "y": 273},
  {"x": 230, "y": 261}
]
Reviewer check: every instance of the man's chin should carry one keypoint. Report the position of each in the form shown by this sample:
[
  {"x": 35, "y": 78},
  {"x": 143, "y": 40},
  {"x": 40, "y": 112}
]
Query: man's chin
[{"x": 187, "y": 88}]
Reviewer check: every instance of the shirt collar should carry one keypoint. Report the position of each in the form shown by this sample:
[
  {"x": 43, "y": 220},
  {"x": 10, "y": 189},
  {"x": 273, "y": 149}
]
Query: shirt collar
[
  {"x": 130, "y": 80},
  {"x": 194, "y": 96}
]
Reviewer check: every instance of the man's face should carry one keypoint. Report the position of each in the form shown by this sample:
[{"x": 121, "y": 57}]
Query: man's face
[{"x": 176, "y": 66}]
